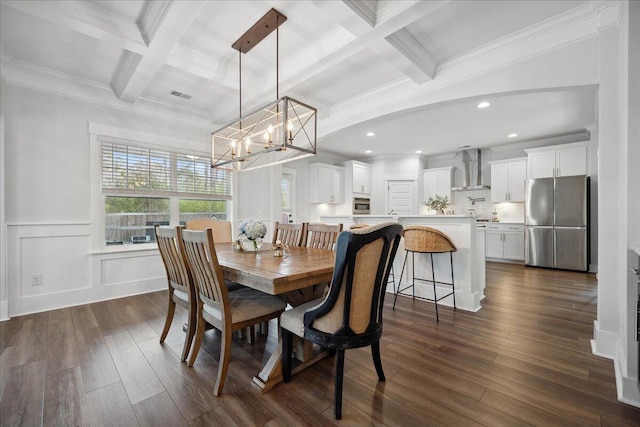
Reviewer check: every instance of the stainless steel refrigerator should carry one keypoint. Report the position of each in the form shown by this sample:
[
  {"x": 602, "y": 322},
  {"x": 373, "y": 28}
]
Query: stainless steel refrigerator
[{"x": 557, "y": 222}]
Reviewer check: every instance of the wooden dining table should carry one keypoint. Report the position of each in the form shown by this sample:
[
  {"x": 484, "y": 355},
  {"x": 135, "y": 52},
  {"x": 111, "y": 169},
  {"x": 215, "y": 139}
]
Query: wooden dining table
[{"x": 298, "y": 277}]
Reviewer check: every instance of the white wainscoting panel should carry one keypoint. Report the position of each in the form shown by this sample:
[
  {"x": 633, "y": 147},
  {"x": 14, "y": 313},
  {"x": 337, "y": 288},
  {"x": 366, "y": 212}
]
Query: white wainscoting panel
[
  {"x": 73, "y": 274},
  {"x": 62, "y": 262},
  {"x": 133, "y": 268}
]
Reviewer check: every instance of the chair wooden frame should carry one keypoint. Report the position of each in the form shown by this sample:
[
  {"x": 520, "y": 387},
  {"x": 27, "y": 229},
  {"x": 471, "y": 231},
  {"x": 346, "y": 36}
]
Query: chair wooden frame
[
  {"x": 321, "y": 236},
  {"x": 211, "y": 291},
  {"x": 169, "y": 240},
  {"x": 343, "y": 301},
  {"x": 289, "y": 234}
]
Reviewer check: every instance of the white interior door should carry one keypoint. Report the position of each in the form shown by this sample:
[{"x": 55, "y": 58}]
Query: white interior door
[{"x": 401, "y": 197}]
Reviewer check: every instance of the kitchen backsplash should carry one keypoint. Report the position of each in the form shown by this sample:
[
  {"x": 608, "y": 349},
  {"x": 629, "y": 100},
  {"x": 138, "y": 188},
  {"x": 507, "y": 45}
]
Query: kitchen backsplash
[{"x": 507, "y": 212}]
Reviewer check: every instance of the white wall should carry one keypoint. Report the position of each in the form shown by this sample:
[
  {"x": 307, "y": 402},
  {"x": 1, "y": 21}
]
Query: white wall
[
  {"x": 4, "y": 303},
  {"x": 50, "y": 229},
  {"x": 612, "y": 335}
]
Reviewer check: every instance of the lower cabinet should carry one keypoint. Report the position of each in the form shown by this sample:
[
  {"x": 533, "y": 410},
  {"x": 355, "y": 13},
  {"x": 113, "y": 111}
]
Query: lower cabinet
[{"x": 505, "y": 241}]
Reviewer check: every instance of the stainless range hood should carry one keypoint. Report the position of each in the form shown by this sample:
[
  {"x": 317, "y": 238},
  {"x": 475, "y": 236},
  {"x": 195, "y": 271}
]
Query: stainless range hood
[{"x": 472, "y": 171}]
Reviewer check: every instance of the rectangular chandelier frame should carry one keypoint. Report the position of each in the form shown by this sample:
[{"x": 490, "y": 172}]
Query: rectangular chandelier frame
[{"x": 278, "y": 132}]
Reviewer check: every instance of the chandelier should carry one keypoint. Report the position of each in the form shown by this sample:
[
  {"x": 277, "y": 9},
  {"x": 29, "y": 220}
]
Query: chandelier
[{"x": 280, "y": 131}]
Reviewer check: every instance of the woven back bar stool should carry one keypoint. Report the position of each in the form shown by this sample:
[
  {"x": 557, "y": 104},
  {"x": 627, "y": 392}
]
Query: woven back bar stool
[{"x": 426, "y": 240}]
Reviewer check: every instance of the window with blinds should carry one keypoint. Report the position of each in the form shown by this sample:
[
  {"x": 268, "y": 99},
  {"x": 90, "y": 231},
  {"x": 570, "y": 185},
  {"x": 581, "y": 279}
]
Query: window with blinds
[
  {"x": 140, "y": 185},
  {"x": 131, "y": 169}
]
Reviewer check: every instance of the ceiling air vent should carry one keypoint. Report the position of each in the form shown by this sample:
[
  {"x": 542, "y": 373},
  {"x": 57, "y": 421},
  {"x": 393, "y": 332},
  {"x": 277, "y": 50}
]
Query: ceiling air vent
[{"x": 180, "y": 94}]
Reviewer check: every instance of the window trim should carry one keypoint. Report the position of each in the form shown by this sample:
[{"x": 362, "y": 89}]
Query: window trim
[{"x": 99, "y": 133}]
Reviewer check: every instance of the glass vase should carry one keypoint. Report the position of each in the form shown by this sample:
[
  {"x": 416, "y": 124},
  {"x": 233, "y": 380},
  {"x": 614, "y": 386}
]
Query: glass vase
[{"x": 251, "y": 245}]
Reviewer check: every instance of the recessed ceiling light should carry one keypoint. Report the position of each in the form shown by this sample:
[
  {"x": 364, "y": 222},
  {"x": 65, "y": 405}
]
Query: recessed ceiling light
[
  {"x": 367, "y": 152},
  {"x": 484, "y": 104},
  {"x": 371, "y": 134},
  {"x": 512, "y": 135},
  {"x": 418, "y": 151}
]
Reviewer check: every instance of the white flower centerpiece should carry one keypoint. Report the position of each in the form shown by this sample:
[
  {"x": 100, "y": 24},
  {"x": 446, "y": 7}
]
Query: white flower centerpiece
[
  {"x": 438, "y": 204},
  {"x": 251, "y": 234}
]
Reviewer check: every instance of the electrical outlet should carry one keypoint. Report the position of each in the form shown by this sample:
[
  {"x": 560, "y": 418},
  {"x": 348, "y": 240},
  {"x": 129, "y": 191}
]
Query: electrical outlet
[{"x": 36, "y": 279}]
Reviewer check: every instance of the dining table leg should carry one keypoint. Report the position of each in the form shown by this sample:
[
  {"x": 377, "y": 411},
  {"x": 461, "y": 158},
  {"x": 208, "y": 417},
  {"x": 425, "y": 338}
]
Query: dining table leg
[{"x": 271, "y": 373}]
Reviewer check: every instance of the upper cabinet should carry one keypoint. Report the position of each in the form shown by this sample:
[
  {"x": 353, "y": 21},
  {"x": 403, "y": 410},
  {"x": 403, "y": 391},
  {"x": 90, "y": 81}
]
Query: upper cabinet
[
  {"x": 358, "y": 177},
  {"x": 559, "y": 160},
  {"x": 326, "y": 183},
  {"x": 508, "y": 180},
  {"x": 437, "y": 181}
]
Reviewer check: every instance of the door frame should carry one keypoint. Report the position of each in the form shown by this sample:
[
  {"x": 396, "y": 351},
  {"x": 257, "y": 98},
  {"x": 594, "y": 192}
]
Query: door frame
[{"x": 387, "y": 184}]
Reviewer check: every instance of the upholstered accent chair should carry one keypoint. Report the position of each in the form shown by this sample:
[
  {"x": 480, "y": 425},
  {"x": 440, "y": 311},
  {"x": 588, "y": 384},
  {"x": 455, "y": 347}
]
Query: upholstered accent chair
[{"x": 350, "y": 315}]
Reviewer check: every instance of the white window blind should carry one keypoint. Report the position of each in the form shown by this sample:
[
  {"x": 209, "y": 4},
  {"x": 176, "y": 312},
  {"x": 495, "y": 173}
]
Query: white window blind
[{"x": 131, "y": 169}]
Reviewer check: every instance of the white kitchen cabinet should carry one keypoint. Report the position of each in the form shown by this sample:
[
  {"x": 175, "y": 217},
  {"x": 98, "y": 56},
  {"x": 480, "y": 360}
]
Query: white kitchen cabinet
[
  {"x": 559, "y": 160},
  {"x": 326, "y": 184},
  {"x": 508, "y": 179},
  {"x": 505, "y": 241},
  {"x": 358, "y": 177},
  {"x": 437, "y": 181}
]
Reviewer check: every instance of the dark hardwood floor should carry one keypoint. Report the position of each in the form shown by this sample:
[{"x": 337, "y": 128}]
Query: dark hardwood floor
[{"x": 524, "y": 359}]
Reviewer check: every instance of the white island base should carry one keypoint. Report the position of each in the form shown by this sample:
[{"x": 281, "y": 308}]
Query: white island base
[{"x": 468, "y": 261}]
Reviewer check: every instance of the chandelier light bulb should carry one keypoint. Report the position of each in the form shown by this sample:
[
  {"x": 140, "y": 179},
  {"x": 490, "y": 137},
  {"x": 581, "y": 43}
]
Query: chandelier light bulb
[{"x": 247, "y": 144}]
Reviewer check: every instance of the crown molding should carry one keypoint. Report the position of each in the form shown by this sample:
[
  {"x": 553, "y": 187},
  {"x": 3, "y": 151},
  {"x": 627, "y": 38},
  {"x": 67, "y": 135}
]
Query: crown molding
[
  {"x": 22, "y": 74},
  {"x": 551, "y": 140},
  {"x": 85, "y": 18},
  {"x": 558, "y": 32}
]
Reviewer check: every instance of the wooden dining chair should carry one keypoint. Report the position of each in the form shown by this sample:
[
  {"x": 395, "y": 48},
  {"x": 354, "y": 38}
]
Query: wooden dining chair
[
  {"x": 221, "y": 229},
  {"x": 226, "y": 311},
  {"x": 350, "y": 316},
  {"x": 321, "y": 236},
  {"x": 289, "y": 234},
  {"x": 180, "y": 283}
]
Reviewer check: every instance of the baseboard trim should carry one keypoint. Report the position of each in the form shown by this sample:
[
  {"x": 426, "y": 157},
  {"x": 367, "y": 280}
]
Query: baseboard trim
[
  {"x": 4, "y": 311},
  {"x": 603, "y": 343},
  {"x": 626, "y": 388}
]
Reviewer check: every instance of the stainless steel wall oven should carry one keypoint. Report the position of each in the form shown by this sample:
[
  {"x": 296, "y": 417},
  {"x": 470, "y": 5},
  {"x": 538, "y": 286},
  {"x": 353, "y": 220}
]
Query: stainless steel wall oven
[{"x": 361, "y": 205}]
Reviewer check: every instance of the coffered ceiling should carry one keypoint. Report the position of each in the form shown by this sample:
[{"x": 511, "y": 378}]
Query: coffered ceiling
[{"x": 366, "y": 65}]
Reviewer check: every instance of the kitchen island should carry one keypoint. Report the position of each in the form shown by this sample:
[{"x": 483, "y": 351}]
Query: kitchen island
[{"x": 468, "y": 260}]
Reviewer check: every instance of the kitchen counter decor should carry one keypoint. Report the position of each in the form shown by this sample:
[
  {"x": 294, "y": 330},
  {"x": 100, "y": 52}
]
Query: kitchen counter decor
[{"x": 438, "y": 204}]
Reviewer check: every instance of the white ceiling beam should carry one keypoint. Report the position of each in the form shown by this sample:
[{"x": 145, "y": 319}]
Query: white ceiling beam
[
  {"x": 85, "y": 18},
  {"x": 388, "y": 38},
  {"x": 366, "y": 9},
  {"x": 408, "y": 55},
  {"x": 353, "y": 36},
  {"x": 163, "y": 24}
]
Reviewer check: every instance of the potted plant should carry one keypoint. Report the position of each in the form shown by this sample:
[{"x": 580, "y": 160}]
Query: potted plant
[{"x": 438, "y": 204}]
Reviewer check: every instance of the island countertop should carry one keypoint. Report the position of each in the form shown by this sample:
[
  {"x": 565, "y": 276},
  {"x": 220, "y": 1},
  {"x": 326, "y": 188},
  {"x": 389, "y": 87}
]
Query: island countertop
[{"x": 468, "y": 260}]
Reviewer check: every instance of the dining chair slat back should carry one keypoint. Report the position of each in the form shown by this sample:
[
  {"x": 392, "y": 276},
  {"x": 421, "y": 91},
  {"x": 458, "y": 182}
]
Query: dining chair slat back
[
  {"x": 226, "y": 311},
  {"x": 322, "y": 236},
  {"x": 289, "y": 234},
  {"x": 180, "y": 282}
]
